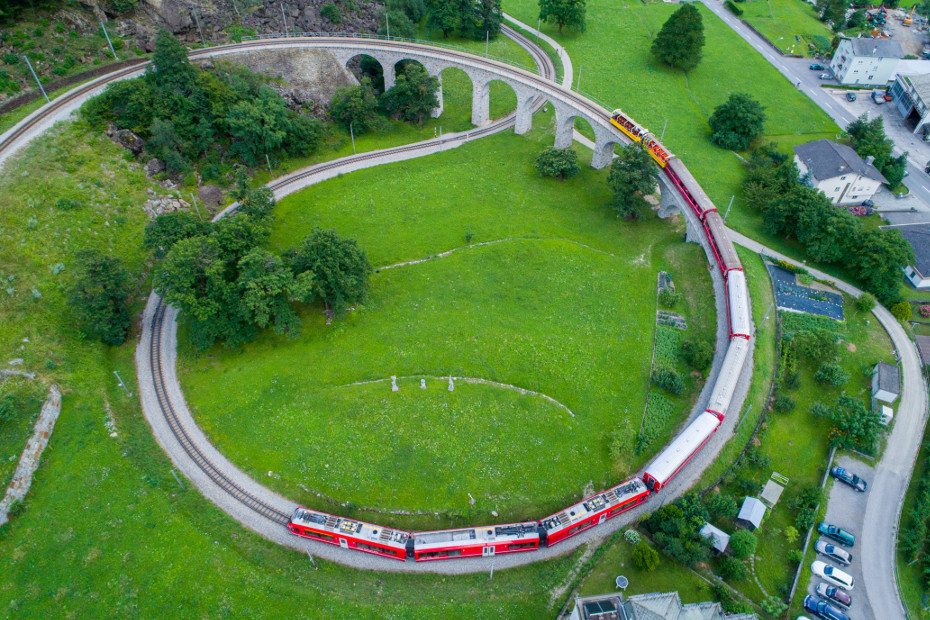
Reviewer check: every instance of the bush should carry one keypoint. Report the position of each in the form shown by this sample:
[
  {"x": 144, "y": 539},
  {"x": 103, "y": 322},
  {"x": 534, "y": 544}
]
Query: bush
[
  {"x": 865, "y": 302},
  {"x": 99, "y": 297},
  {"x": 732, "y": 569},
  {"x": 558, "y": 163},
  {"x": 697, "y": 353},
  {"x": 632, "y": 537},
  {"x": 64, "y": 204},
  {"x": 782, "y": 403},
  {"x": 902, "y": 311},
  {"x": 831, "y": 373},
  {"x": 645, "y": 557},
  {"x": 791, "y": 534},
  {"x": 721, "y": 505},
  {"x": 796, "y": 555},
  {"x": 743, "y": 544},
  {"x": 668, "y": 380},
  {"x": 733, "y": 8},
  {"x": 821, "y": 410},
  {"x": 331, "y": 12},
  {"x": 737, "y": 122},
  {"x": 774, "y": 606},
  {"x": 669, "y": 297}
]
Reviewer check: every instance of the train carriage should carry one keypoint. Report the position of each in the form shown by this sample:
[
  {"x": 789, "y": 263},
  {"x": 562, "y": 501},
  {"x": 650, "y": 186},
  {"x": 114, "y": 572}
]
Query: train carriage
[
  {"x": 349, "y": 534},
  {"x": 738, "y": 306},
  {"x": 593, "y": 510},
  {"x": 674, "y": 457},
  {"x": 689, "y": 189},
  {"x": 722, "y": 247},
  {"x": 475, "y": 541},
  {"x": 722, "y": 394}
]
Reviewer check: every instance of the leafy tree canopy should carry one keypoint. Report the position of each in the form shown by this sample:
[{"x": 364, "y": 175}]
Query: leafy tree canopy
[
  {"x": 413, "y": 95},
  {"x": 338, "y": 267},
  {"x": 559, "y": 163},
  {"x": 99, "y": 297},
  {"x": 737, "y": 122},
  {"x": 632, "y": 176},
  {"x": 165, "y": 230},
  {"x": 681, "y": 39},
  {"x": 563, "y": 13},
  {"x": 356, "y": 107}
]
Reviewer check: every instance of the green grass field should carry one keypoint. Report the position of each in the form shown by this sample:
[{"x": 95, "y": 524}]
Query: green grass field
[
  {"x": 560, "y": 301},
  {"x": 910, "y": 580},
  {"x": 783, "y": 22}
]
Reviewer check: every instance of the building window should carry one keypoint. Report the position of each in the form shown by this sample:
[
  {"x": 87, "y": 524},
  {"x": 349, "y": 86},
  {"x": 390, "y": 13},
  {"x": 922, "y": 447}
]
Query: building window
[
  {"x": 842, "y": 178},
  {"x": 836, "y": 190}
]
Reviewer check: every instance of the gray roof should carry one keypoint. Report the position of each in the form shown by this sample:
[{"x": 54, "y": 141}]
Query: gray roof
[
  {"x": 921, "y": 84},
  {"x": 653, "y": 606},
  {"x": 719, "y": 538},
  {"x": 752, "y": 511},
  {"x": 923, "y": 345},
  {"x": 888, "y": 378},
  {"x": 877, "y": 48},
  {"x": 827, "y": 159},
  {"x": 918, "y": 235}
]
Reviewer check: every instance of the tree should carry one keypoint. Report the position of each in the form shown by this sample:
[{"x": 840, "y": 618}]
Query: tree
[
  {"x": 676, "y": 530},
  {"x": 868, "y": 138},
  {"x": 632, "y": 176},
  {"x": 681, "y": 39},
  {"x": 258, "y": 126},
  {"x": 413, "y": 95},
  {"x": 645, "y": 557},
  {"x": 865, "y": 302},
  {"x": 832, "y": 12},
  {"x": 669, "y": 297},
  {"x": 732, "y": 569},
  {"x": 697, "y": 353},
  {"x": 856, "y": 19},
  {"x": 331, "y": 12},
  {"x": 721, "y": 504},
  {"x": 400, "y": 24},
  {"x": 356, "y": 107},
  {"x": 415, "y": 10},
  {"x": 171, "y": 72},
  {"x": 481, "y": 19},
  {"x": 831, "y": 373},
  {"x": 894, "y": 170},
  {"x": 878, "y": 259},
  {"x": 902, "y": 311},
  {"x": 339, "y": 268},
  {"x": 167, "y": 229},
  {"x": 782, "y": 403},
  {"x": 559, "y": 163},
  {"x": 668, "y": 380},
  {"x": 853, "y": 424},
  {"x": 737, "y": 122},
  {"x": 445, "y": 15},
  {"x": 266, "y": 286},
  {"x": 165, "y": 144},
  {"x": 99, "y": 297},
  {"x": 743, "y": 544},
  {"x": 563, "y": 13}
]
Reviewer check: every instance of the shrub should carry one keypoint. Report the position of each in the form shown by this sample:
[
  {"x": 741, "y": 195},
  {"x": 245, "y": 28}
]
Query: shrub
[
  {"x": 732, "y": 569},
  {"x": 782, "y": 403},
  {"x": 669, "y": 297},
  {"x": 645, "y": 557},
  {"x": 668, "y": 380},
  {"x": 721, "y": 505},
  {"x": 10, "y": 59},
  {"x": 558, "y": 163},
  {"x": 99, "y": 298},
  {"x": 831, "y": 374},
  {"x": 865, "y": 302},
  {"x": 902, "y": 311},
  {"x": 821, "y": 410},
  {"x": 796, "y": 555},
  {"x": 791, "y": 534},
  {"x": 7, "y": 408},
  {"x": 632, "y": 536},
  {"x": 733, "y": 8},
  {"x": 331, "y": 12},
  {"x": 697, "y": 353},
  {"x": 773, "y": 606},
  {"x": 743, "y": 543},
  {"x": 925, "y": 311},
  {"x": 64, "y": 204}
]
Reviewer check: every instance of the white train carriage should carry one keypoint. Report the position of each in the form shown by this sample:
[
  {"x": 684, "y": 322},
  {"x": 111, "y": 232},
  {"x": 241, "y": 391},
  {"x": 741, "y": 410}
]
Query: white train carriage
[
  {"x": 680, "y": 451},
  {"x": 485, "y": 541},
  {"x": 738, "y": 306},
  {"x": 722, "y": 394}
]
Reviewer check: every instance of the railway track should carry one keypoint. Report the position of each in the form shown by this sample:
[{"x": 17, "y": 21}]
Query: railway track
[{"x": 184, "y": 440}]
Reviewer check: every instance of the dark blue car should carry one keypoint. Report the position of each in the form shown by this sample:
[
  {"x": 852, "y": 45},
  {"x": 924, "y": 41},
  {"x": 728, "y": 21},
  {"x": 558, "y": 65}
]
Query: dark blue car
[
  {"x": 849, "y": 478},
  {"x": 823, "y": 609}
]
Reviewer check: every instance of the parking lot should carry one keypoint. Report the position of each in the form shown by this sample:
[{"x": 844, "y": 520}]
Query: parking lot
[{"x": 846, "y": 509}]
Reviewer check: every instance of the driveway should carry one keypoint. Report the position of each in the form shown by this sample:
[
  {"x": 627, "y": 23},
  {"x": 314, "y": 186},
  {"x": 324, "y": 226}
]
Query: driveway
[{"x": 846, "y": 509}]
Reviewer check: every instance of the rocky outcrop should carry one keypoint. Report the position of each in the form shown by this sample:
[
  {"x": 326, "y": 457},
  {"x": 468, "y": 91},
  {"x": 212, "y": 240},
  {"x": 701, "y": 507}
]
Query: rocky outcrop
[
  {"x": 159, "y": 205},
  {"x": 153, "y": 167},
  {"x": 210, "y": 195}
]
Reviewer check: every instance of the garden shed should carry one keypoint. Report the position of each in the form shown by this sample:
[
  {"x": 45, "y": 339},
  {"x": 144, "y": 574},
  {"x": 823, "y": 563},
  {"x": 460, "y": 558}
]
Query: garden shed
[
  {"x": 751, "y": 513},
  {"x": 719, "y": 539},
  {"x": 886, "y": 382}
]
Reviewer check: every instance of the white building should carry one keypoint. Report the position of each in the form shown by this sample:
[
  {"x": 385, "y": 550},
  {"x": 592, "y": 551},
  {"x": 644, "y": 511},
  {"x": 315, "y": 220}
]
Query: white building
[
  {"x": 866, "y": 61},
  {"x": 836, "y": 170},
  {"x": 918, "y": 235},
  {"x": 911, "y": 96}
]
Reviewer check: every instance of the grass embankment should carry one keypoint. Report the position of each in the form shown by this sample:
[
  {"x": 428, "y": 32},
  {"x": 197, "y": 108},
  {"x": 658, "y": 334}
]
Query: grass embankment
[
  {"x": 615, "y": 53},
  {"x": 562, "y": 305},
  {"x": 910, "y": 580},
  {"x": 784, "y": 21},
  {"x": 106, "y": 529}
]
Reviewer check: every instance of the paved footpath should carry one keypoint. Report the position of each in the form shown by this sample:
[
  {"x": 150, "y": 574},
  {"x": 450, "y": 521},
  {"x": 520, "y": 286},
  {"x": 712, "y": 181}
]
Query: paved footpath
[{"x": 892, "y": 474}]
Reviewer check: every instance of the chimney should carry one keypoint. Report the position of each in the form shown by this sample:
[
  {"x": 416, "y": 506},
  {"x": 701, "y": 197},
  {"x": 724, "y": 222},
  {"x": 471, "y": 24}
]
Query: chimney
[{"x": 869, "y": 160}]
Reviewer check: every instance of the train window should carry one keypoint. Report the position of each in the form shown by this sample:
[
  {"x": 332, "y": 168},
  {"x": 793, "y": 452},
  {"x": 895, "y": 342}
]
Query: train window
[
  {"x": 320, "y": 535},
  {"x": 452, "y": 553},
  {"x": 524, "y": 545},
  {"x": 375, "y": 548}
]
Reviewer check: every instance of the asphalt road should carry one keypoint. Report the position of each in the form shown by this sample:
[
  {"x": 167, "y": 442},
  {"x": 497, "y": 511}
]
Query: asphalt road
[
  {"x": 892, "y": 474},
  {"x": 796, "y": 71}
]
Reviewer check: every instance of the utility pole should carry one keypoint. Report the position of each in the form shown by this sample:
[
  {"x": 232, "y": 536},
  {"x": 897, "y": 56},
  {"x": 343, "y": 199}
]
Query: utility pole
[
  {"x": 728, "y": 209},
  {"x": 29, "y": 64},
  {"x": 118, "y": 378},
  {"x": 236, "y": 8},
  {"x": 538, "y": 26},
  {"x": 578, "y": 84},
  {"x": 196, "y": 207},
  {"x": 663, "y": 130},
  {"x": 487, "y": 42},
  {"x": 352, "y": 133},
  {"x": 387, "y": 17},
  {"x": 268, "y": 161},
  {"x": 283, "y": 17},
  {"x": 107, "y": 35},
  {"x": 196, "y": 19}
]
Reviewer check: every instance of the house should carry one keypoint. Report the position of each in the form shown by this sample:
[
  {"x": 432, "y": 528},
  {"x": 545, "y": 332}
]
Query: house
[
  {"x": 866, "y": 61},
  {"x": 886, "y": 382},
  {"x": 923, "y": 347},
  {"x": 719, "y": 539},
  {"x": 911, "y": 97},
  {"x": 655, "y": 606},
  {"x": 918, "y": 235},
  {"x": 836, "y": 170},
  {"x": 751, "y": 513}
]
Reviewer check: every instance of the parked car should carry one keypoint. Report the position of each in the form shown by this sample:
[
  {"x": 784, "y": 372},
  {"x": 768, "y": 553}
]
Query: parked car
[
  {"x": 849, "y": 478},
  {"x": 823, "y": 609},
  {"x": 825, "y": 76},
  {"x": 833, "y": 552},
  {"x": 834, "y": 594},
  {"x": 816, "y": 67},
  {"x": 838, "y": 534},
  {"x": 878, "y": 96},
  {"x": 833, "y": 575},
  {"x": 850, "y": 96}
]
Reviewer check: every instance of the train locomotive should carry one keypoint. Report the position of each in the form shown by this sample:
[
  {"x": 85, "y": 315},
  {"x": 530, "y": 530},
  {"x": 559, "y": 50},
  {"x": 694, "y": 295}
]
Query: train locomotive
[{"x": 488, "y": 541}]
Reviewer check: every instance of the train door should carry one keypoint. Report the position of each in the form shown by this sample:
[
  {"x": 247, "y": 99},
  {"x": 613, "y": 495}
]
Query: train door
[
  {"x": 343, "y": 543},
  {"x": 487, "y": 552},
  {"x": 602, "y": 518}
]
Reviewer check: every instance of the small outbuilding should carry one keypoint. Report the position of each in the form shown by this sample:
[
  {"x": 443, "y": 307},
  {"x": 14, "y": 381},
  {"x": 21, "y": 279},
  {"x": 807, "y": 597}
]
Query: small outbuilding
[
  {"x": 719, "y": 539},
  {"x": 887, "y": 415},
  {"x": 886, "y": 382},
  {"x": 923, "y": 347},
  {"x": 751, "y": 513}
]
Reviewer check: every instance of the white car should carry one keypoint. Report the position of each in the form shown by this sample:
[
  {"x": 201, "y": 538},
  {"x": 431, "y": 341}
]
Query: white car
[
  {"x": 832, "y": 574},
  {"x": 833, "y": 552}
]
